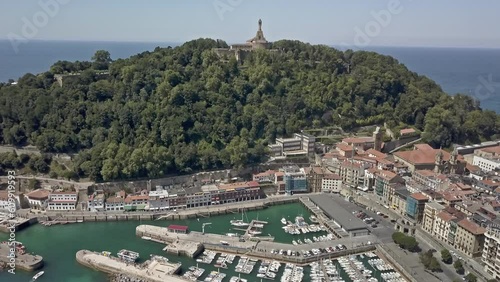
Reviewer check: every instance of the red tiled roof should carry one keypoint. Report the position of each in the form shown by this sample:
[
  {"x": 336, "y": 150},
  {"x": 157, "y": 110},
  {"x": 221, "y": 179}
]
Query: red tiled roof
[
  {"x": 407, "y": 131},
  {"x": 419, "y": 196},
  {"x": 343, "y": 147},
  {"x": 445, "y": 216},
  {"x": 39, "y": 194},
  {"x": 492, "y": 150},
  {"x": 63, "y": 193},
  {"x": 423, "y": 154},
  {"x": 471, "y": 227},
  {"x": 4, "y": 195},
  {"x": 376, "y": 153},
  {"x": 332, "y": 176},
  {"x": 177, "y": 227},
  {"x": 129, "y": 198}
]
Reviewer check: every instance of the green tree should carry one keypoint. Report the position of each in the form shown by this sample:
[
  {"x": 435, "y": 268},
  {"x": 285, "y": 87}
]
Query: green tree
[
  {"x": 446, "y": 256},
  {"x": 101, "y": 60},
  {"x": 459, "y": 267},
  {"x": 470, "y": 278}
]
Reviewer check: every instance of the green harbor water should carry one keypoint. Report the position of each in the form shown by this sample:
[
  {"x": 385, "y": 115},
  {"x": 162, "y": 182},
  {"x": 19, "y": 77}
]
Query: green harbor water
[{"x": 59, "y": 244}]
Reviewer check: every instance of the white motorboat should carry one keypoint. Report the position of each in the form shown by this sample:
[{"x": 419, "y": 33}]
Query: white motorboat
[
  {"x": 37, "y": 275},
  {"x": 283, "y": 221}
]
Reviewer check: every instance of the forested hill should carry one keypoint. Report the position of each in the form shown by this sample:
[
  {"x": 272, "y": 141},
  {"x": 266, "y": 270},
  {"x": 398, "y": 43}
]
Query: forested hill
[{"x": 183, "y": 108}]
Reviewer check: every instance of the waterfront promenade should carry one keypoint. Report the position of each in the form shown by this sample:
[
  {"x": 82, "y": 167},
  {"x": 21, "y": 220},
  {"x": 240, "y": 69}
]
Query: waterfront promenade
[
  {"x": 151, "y": 270},
  {"x": 179, "y": 214}
]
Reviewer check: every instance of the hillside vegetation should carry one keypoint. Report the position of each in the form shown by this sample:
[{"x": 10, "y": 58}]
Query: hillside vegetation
[{"x": 183, "y": 108}]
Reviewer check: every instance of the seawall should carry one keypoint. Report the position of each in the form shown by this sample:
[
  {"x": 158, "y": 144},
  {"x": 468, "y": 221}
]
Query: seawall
[
  {"x": 26, "y": 261},
  {"x": 205, "y": 211}
]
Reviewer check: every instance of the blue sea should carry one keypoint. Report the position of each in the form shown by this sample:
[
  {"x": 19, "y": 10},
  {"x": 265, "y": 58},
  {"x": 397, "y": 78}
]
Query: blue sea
[{"x": 473, "y": 72}]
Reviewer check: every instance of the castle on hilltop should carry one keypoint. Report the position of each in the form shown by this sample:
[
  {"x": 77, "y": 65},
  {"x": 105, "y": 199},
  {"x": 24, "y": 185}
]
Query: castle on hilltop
[{"x": 240, "y": 50}]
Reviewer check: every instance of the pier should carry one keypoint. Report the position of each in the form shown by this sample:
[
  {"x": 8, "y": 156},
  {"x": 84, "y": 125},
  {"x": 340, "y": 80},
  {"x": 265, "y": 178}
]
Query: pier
[
  {"x": 151, "y": 270},
  {"x": 257, "y": 249},
  {"x": 25, "y": 261}
]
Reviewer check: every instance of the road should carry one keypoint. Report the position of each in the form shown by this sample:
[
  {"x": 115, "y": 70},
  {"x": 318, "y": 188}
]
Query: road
[
  {"x": 428, "y": 241},
  {"x": 80, "y": 185}
]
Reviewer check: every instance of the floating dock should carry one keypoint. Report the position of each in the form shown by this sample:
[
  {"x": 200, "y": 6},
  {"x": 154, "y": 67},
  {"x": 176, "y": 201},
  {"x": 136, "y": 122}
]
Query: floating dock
[
  {"x": 152, "y": 270},
  {"x": 25, "y": 261}
]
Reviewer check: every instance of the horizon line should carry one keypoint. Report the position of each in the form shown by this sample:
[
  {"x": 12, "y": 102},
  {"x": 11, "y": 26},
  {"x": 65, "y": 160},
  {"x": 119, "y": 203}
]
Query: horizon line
[{"x": 340, "y": 45}]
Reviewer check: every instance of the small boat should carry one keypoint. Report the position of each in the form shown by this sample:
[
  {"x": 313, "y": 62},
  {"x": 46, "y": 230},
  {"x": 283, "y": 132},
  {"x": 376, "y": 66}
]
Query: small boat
[
  {"x": 37, "y": 275},
  {"x": 128, "y": 256},
  {"x": 239, "y": 223},
  {"x": 254, "y": 232},
  {"x": 283, "y": 221}
]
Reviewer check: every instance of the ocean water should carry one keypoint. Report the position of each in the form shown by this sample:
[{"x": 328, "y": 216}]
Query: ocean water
[{"x": 473, "y": 72}]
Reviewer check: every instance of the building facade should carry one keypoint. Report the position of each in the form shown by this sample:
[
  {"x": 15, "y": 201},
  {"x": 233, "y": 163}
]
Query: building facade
[
  {"x": 62, "y": 201},
  {"x": 491, "y": 251},
  {"x": 331, "y": 183},
  {"x": 469, "y": 238},
  {"x": 431, "y": 210}
]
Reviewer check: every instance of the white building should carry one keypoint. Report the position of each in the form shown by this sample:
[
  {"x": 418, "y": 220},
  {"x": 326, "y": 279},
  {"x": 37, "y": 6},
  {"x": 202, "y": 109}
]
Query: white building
[
  {"x": 38, "y": 199},
  {"x": 96, "y": 202},
  {"x": 486, "y": 163},
  {"x": 331, "y": 183},
  {"x": 158, "y": 200},
  {"x": 6, "y": 204},
  {"x": 491, "y": 249},
  {"x": 267, "y": 176},
  {"x": 62, "y": 201},
  {"x": 115, "y": 204}
]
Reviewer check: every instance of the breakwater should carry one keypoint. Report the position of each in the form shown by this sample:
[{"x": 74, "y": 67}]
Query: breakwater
[
  {"x": 152, "y": 270},
  {"x": 259, "y": 249},
  {"x": 25, "y": 261}
]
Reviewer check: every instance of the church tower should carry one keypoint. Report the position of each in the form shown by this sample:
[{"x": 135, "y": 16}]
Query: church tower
[
  {"x": 454, "y": 161},
  {"x": 438, "y": 161}
]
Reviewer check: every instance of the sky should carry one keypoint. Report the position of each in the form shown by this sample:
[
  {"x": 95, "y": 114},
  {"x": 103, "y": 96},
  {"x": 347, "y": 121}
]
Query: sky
[{"x": 431, "y": 23}]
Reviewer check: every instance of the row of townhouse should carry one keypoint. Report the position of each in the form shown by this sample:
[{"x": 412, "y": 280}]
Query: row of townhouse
[
  {"x": 451, "y": 226},
  {"x": 165, "y": 199},
  {"x": 293, "y": 179}
]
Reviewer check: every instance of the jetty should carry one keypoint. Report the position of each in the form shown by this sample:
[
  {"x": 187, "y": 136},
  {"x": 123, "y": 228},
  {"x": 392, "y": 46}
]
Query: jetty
[
  {"x": 249, "y": 248},
  {"x": 24, "y": 261},
  {"x": 156, "y": 269}
]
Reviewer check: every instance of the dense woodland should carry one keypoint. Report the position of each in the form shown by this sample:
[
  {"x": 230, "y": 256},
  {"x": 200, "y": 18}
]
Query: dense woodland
[{"x": 178, "y": 109}]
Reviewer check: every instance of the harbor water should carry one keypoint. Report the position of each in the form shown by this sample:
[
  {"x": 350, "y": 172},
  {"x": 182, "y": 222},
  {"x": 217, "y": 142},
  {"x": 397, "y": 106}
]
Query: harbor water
[{"x": 58, "y": 244}]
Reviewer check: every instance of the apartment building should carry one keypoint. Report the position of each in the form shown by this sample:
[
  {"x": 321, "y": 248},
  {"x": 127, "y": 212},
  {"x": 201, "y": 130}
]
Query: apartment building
[
  {"x": 487, "y": 164},
  {"x": 331, "y": 183},
  {"x": 415, "y": 206},
  {"x": 469, "y": 238},
  {"x": 299, "y": 144},
  {"x": 38, "y": 199},
  {"x": 62, "y": 201},
  {"x": 263, "y": 177},
  {"x": 399, "y": 200},
  {"x": 491, "y": 251},
  {"x": 431, "y": 210},
  {"x": 96, "y": 202}
]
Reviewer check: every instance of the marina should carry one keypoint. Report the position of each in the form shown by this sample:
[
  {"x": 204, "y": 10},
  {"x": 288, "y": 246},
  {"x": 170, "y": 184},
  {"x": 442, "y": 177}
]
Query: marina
[{"x": 58, "y": 245}]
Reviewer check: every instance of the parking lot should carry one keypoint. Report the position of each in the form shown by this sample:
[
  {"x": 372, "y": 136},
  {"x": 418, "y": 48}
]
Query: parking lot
[{"x": 384, "y": 227}]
